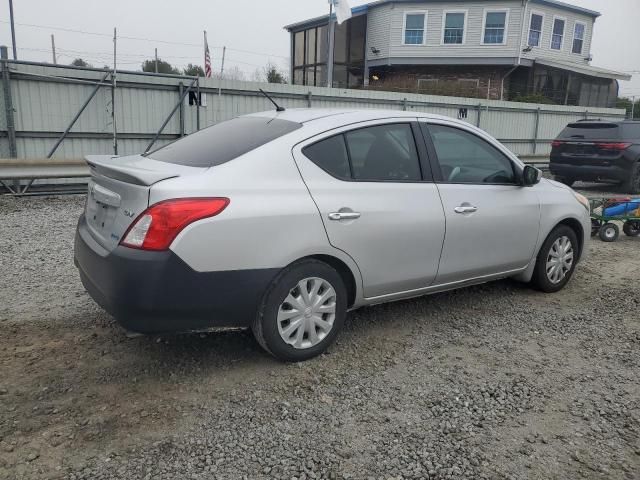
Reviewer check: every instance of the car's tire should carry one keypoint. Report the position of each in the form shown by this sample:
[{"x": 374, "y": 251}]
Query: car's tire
[
  {"x": 566, "y": 180},
  {"x": 609, "y": 232},
  {"x": 632, "y": 184},
  {"x": 556, "y": 260},
  {"x": 631, "y": 228},
  {"x": 319, "y": 313}
]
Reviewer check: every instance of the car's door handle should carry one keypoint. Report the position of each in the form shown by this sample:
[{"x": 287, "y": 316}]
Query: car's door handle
[
  {"x": 465, "y": 209},
  {"x": 344, "y": 215}
]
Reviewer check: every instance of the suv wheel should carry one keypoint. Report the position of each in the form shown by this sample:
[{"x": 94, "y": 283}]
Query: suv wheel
[
  {"x": 302, "y": 311},
  {"x": 567, "y": 181},
  {"x": 556, "y": 260},
  {"x": 632, "y": 185}
]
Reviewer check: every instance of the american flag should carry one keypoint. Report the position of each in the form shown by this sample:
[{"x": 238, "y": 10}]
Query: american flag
[{"x": 207, "y": 58}]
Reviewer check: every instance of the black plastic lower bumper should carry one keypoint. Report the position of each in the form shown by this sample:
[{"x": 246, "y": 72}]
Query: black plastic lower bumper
[
  {"x": 154, "y": 292},
  {"x": 589, "y": 172}
]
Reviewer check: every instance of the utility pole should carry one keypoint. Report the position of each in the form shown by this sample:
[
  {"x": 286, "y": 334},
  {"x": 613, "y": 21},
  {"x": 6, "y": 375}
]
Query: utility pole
[
  {"x": 13, "y": 31},
  {"x": 224, "y": 53},
  {"x": 53, "y": 49},
  {"x": 156, "y": 60},
  {"x": 113, "y": 96},
  {"x": 633, "y": 107},
  {"x": 330, "y": 46}
]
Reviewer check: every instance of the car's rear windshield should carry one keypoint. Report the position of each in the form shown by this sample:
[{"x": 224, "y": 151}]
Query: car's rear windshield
[
  {"x": 602, "y": 131},
  {"x": 223, "y": 141}
]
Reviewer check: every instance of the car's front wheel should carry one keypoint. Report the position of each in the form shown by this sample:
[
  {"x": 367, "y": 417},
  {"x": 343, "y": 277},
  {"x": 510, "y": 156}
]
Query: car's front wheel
[
  {"x": 556, "y": 260},
  {"x": 302, "y": 311}
]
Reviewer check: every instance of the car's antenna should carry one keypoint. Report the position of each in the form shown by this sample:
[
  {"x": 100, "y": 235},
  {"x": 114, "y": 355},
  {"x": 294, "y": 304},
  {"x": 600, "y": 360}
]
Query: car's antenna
[{"x": 278, "y": 107}]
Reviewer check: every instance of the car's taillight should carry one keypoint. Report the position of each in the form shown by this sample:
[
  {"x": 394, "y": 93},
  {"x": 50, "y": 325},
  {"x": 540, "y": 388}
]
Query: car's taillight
[
  {"x": 617, "y": 146},
  {"x": 160, "y": 224},
  {"x": 557, "y": 143}
]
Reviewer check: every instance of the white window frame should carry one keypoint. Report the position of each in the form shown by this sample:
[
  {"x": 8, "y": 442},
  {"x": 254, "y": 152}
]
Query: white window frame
[
  {"x": 544, "y": 18},
  {"x": 424, "y": 27},
  {"x": 564, "y": 33},
  {"x": 464, "y": 27},
  {"x": 584, "y": 37},
  {"x": 484, "y": 25}
]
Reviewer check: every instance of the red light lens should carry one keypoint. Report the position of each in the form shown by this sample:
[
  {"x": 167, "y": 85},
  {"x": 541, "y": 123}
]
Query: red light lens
[
  {"x": 169, "y": 218},
  {"x": 557, "y": 143},
  {"x": 613, "y": 146}
]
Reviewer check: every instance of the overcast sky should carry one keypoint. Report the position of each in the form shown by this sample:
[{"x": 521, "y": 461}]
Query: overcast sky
[{"x": 251, "y": 30}]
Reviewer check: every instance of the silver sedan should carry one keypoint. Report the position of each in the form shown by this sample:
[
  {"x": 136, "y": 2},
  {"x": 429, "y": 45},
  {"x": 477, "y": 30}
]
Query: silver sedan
[{"x": 283, "y": 221}]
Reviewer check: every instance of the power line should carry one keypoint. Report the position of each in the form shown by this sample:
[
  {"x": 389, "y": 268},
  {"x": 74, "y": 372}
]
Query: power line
[{"x": 124, "y": 37}]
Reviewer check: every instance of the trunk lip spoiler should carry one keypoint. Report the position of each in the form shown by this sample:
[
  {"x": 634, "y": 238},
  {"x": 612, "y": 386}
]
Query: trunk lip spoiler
[{"x": 114, "y": 167}]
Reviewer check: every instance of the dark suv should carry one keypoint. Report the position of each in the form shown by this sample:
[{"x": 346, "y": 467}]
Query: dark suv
[{"x": 595, "y": 150}]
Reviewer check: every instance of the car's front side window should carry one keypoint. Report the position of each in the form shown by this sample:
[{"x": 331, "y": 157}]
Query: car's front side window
[
  {"x": 382, "y": 153},
  {"x": 466, "y": 158}
]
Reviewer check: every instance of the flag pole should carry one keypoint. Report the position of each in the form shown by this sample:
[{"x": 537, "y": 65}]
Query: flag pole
[{"x": 330, "y": 46}]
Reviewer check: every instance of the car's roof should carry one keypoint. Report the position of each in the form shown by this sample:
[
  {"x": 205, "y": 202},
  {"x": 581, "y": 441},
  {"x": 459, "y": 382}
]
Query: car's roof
[{"x": 305, "y": 115}]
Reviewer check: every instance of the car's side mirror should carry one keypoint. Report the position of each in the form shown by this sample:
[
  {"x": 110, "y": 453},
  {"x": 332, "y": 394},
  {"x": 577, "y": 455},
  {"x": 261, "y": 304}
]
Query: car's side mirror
[{"x": 531, "y": 176}]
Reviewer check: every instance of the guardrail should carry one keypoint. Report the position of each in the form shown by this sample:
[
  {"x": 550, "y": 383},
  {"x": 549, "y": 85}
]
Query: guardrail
[{"x": 18, "y": 177}]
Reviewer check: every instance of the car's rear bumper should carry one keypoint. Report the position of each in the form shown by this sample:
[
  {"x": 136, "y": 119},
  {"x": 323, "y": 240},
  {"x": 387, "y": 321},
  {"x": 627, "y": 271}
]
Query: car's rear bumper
[
  {"x": 153, "y": 292},
  {"x": 589, "y": 172}
]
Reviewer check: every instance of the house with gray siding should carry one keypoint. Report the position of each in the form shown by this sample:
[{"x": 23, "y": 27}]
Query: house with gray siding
[{"x": 495, "y": 49}]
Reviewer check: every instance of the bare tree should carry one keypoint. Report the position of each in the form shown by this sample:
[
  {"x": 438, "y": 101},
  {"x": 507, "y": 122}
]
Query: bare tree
[
  {"x": 233, "y": 73},
  {"x": 273, "y": 74}
]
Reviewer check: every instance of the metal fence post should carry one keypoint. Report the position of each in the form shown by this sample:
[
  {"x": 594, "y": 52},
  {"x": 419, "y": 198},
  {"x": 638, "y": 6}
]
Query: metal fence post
[
  {"x": 8, "y": 103},
  {"x": 181, "y": 115},
  {"x": 170, "y": 116},
  {"x": 309, "y": 95},
  {"x": 198, "y": 102},
  {"x": 535, "y": 133},
  {"x": 479, "y": 107},
  {"x": 404, "y": 104}
]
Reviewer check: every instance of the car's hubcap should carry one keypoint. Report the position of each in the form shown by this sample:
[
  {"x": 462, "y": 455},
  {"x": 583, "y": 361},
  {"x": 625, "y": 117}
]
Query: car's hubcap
[
  {"x": 306, "y": 316},
  {"x": 559, "y": 260}
]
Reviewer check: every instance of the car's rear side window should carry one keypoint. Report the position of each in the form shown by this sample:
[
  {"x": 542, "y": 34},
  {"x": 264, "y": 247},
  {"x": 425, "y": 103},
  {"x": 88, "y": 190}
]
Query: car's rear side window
[
  {"x": 330, "y": 155},
  {"x": 381, "y": 153},
  {"x": 223, "y": 141}
]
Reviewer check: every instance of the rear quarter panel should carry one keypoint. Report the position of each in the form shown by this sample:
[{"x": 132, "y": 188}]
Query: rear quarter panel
[{"x": 271, "y": 220}]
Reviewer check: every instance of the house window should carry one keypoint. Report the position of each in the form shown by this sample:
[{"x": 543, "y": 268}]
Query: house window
[
  {"x": 578, "y": 38},
  {"x": 414, "y": 27},
  {"x": 535, "y": 30},
  {"x": 495, "y": 24},
  {"x": 454, "y": 28},
  {"x": 558, "y": 34}
]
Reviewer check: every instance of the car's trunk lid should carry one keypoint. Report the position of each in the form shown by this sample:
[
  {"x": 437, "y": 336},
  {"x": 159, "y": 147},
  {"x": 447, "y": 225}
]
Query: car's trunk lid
[{"x": 119, "y": 192}]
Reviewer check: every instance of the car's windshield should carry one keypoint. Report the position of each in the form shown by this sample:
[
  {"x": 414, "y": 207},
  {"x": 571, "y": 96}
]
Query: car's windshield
[{"x": 223, "y": 141}]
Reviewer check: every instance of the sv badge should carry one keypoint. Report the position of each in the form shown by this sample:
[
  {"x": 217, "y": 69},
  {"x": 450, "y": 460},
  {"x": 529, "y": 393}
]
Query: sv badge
[{"x": 128, "y": 213}]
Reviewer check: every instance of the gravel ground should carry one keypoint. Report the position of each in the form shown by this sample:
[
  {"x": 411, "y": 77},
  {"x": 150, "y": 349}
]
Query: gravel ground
[{"x": 495, "y": 381}]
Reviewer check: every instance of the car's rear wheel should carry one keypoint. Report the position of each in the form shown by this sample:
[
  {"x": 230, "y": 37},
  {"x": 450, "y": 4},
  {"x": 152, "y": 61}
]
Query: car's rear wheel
[
  {"x": 302, "y": 311},
  {"x": 632, "y": 185},
  {"x": 556, "y": 260},
  {"x": 566, "y": 180},
  {"x": 631, "y": 228}
]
